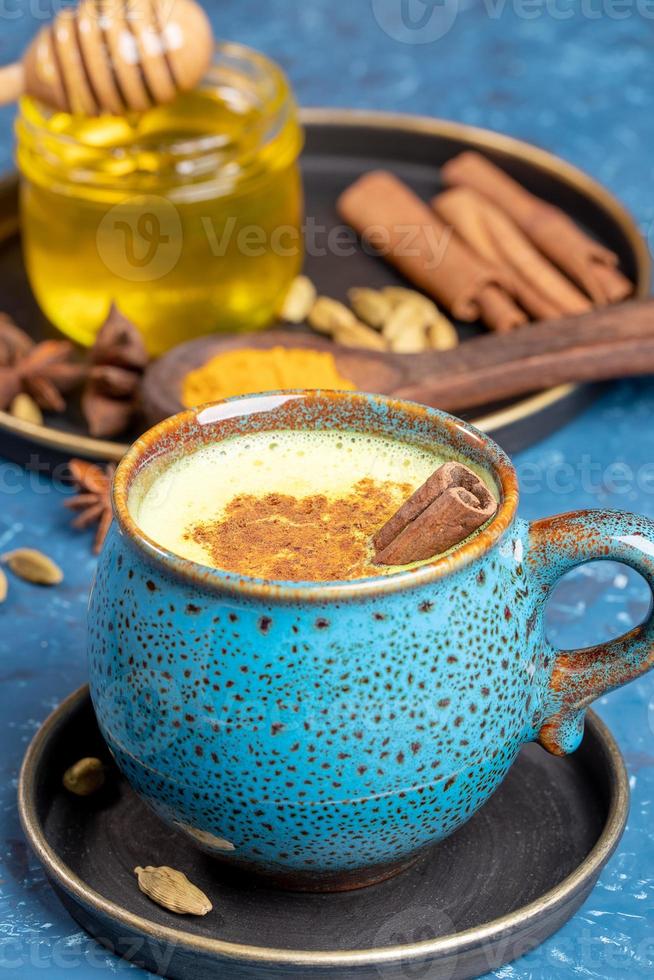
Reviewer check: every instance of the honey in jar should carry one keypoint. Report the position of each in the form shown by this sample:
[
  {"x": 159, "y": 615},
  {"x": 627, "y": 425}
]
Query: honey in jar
[{"x": 188, "y": 216}]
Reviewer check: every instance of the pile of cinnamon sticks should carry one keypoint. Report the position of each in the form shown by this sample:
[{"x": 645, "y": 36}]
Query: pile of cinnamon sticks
[{"x": 485, "y": 248}]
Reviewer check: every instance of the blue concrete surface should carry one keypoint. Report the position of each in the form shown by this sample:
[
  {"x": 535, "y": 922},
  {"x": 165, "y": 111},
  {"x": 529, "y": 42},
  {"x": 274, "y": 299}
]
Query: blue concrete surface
[{"x": 571, "y": 75}]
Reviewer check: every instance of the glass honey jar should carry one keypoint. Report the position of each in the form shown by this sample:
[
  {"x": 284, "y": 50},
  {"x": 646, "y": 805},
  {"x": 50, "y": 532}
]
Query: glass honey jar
[{"x": 188, "y": 216}]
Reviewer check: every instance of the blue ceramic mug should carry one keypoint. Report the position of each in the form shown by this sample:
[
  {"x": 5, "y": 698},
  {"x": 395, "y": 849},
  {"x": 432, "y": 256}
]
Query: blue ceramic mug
[{"x": 325, "y": 734}]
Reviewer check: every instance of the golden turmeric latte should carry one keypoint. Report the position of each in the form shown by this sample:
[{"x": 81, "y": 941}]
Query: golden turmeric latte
[{"x": 283, "y": 505}]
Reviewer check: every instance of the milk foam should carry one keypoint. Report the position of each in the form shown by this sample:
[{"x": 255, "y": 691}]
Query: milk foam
[{"x": 197, "y": 488}]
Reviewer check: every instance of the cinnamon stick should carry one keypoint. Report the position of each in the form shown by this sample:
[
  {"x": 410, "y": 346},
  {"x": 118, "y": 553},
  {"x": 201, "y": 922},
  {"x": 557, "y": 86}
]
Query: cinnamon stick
[
  {"x": 539, "y": 286},
  {"x": 468, "y": 222},
  {"x": 450, "y": 506},
  {"x": 411, "y": 237},
  {"x": 456, "y": 208},
  {"x": 584, "y": 260},
  {"x": 498, "y": 309},
  {"x": 534, "y": 302},
  {"x": 616, "y": 286}
]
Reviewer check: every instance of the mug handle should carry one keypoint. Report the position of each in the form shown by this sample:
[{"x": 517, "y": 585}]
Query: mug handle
[{"x": 578, "y": 677}]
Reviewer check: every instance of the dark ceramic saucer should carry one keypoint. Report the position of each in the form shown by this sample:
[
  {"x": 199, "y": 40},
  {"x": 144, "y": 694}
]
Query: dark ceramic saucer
[{"x": 507, "y": 880}]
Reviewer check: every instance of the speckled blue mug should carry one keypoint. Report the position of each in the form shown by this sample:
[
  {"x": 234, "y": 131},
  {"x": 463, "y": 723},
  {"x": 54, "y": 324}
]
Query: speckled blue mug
[{"x": 325, "y": 734}]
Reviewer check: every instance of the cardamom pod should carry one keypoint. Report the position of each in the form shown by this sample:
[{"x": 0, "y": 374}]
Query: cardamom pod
[
  {"x": 299, "y": 300},
  {"x": 206, "y": 838},
  {"x": 399, "y": 295},
  {"x": 406, "y": 330},
  {"x": 408, "y": 305},
  {"x": 85, "y": 777},
  {"x": 172, "y": 890},
  {"x": 4, "y": 586},
  {"x": 442, "y": 334},
  {"x": 413, "y": 340},
  {"x": 24, "y": 407},
  {"x": 328, "y": 315},
  {"x": 357, "y": 334},
  {"x": 370, "y": 305},
  {"x": 33, "y": 566}
]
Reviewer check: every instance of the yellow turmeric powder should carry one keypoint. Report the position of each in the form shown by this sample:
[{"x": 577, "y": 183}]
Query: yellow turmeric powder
[{"x": 249, "y": 370}]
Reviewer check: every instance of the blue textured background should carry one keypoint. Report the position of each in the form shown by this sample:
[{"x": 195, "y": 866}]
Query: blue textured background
[{"x": 571, "y": 75}]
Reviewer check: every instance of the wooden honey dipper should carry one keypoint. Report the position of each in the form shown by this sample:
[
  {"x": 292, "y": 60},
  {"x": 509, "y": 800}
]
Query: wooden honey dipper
[{"x": 114, "y": 56}]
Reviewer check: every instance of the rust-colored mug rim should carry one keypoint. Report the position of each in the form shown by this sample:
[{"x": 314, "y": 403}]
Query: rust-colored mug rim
[{"x": 152, "y": 445}]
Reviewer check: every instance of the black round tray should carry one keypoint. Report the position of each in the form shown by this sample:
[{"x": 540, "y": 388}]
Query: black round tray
[
  {"x": 487, "y": 895},
  {"x": 341, "y": 145}
]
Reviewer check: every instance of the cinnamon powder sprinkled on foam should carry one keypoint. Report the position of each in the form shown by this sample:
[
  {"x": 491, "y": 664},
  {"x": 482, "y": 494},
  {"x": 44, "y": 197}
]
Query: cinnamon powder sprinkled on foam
[{"x": 300, "y": 539}]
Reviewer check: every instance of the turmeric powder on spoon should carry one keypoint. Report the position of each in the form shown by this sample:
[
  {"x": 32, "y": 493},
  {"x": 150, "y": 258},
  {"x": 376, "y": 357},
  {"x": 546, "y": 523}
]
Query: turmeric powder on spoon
[{"x": 248, "y": 370}]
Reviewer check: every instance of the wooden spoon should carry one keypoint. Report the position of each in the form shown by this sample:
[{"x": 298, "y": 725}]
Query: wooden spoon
[
  {"x": 610, "y": 342},
  {"x": 113, "y": 56}
]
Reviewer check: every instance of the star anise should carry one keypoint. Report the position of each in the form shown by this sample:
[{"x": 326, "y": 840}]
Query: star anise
[
  {"x": 93, "y": 502},
  {"x": 14, "y": 342},
  {"x": 45, "y": 371},
  {"x": 118, "y": 359}
]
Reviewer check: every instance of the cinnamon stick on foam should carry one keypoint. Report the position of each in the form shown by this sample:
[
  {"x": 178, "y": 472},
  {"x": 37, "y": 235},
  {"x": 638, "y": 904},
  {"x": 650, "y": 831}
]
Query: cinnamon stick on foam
[
  {"x": 588, "y": 263},
  {"x": 443, "y": 512},
  {"x": 409, "y": 235},
  {"x": 538, "y": 285}
]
